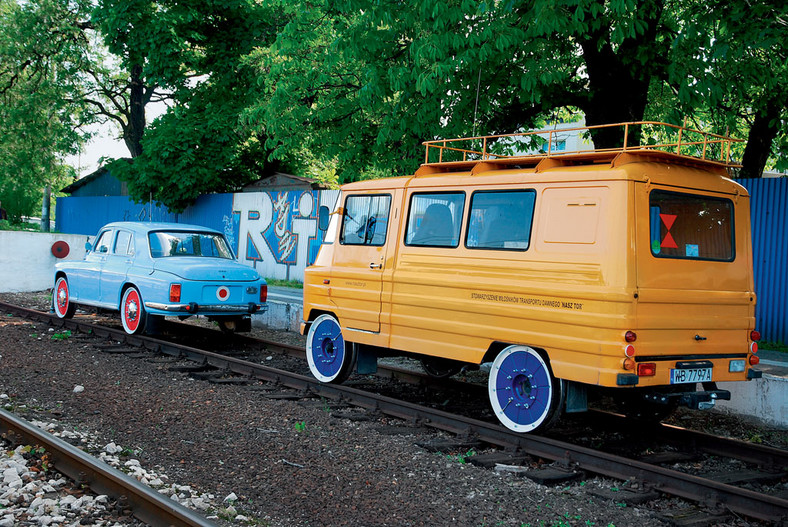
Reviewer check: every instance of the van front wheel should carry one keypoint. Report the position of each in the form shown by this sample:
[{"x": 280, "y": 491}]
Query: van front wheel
[
  {"x": 523, "y": 392},
  {"x": 330, "y": 358}
]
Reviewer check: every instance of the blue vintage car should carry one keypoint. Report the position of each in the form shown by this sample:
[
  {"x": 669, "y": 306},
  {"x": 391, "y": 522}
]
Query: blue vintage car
[{"x": 148, "y": 270}]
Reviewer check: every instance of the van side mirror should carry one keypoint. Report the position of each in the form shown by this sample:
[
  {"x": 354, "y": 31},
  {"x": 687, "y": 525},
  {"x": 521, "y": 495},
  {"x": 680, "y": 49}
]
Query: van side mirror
[
  {"x": 322, "y": 218},
  {"x": 88, "y": 245}
]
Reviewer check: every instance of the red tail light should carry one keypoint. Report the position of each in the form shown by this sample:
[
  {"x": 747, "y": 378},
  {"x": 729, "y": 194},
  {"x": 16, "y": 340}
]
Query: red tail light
[
  {"x": 175, "y": 292},
  {"x": 755, "y": 335},
  {"x": 630, "y": 336},
  {"x": 754, "y": 359},
  {"x": 263, "y": 293},
  {"x": 647, "y": 369}
]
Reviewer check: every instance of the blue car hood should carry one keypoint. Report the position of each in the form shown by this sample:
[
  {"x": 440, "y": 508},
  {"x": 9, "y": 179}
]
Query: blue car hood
[{"x": 209, "y": 269}]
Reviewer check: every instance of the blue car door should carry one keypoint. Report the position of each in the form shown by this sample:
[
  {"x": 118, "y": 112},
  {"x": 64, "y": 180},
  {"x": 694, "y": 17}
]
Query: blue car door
[
  {"x": 116, "y": 267},
  {"x": 84, "y": 281}
]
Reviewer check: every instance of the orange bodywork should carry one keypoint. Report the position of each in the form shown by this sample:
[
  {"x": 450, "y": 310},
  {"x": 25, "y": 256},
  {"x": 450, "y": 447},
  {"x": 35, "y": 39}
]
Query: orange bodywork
[{"x": 589, "y": 274}]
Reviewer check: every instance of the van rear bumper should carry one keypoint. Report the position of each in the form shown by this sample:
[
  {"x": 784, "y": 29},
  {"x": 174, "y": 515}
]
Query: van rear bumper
[{"x": 695, "y": 400}]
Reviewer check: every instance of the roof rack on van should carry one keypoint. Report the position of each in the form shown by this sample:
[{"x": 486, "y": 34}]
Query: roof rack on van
[{"x": 634, "y": 137}]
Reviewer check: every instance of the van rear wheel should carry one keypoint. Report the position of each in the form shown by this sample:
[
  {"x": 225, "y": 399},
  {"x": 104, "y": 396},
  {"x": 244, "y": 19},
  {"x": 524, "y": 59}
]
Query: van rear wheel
[
  {"x": 330, "y": 358},
  {"x": 523, "y": 392}
]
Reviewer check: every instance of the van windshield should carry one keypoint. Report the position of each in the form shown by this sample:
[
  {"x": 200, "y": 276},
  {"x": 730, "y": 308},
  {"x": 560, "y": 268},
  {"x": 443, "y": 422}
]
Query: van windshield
[
  {"x": 177, "y": 243},
  {"x": 691, "y": 227}
]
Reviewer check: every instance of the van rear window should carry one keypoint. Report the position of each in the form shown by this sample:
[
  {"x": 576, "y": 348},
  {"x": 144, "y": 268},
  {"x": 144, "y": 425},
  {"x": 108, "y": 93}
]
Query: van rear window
[
  {"x": 691, "y": 226},
  {"x": 501, "y": 220}
]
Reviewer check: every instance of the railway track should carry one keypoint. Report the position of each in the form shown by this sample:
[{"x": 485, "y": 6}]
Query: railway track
[
  {"x": 145, "y": 503},
  {"x": 640, "y": 474}
]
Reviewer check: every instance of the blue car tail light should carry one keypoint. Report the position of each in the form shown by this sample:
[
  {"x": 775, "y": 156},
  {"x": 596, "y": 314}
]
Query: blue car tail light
[{"x": 175, "y": 292}]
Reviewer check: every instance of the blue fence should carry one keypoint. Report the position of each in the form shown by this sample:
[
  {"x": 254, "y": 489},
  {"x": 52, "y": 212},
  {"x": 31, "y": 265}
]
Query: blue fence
[
  {"x": 769, "y": 217},
  {"x": 276, "y": 232}
]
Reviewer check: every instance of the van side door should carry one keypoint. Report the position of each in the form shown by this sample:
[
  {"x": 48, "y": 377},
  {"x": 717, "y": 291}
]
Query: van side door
[{"x": 357, "y": 272}]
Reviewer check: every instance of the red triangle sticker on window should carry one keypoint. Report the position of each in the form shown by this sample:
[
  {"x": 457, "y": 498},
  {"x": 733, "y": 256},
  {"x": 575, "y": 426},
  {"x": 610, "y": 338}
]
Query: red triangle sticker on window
[
  {"x": 668, "y": 219},
  {"x": 669, "y": 242}
]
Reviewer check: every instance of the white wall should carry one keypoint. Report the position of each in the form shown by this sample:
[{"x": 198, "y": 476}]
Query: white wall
[{"x": 27, "y": 262}]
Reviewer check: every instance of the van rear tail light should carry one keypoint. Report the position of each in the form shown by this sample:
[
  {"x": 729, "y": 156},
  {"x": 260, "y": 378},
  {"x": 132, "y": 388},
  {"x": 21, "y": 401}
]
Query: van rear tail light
[
  {"x": 630, "y": 336},
  {"x": 755, "y": 335},
  {"x": 647, "y": 369},
  {"x": 629, "y": 364},
  {"x": 754, "y": 359},
  {"x": 263, "y": 293},
  {"x": 175, "y": 292}
]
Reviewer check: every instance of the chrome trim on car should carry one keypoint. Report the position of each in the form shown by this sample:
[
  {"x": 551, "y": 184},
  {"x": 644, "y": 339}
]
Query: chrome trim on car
[{"x": 234, "y": 308}]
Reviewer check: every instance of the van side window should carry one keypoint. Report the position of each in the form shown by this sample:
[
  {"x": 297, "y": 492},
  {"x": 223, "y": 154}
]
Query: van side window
[
  {"x": 501, "y": 220},
  {"x": 434, "y": 219},
  {"x": 365, "y": 220},
  {"x": 691, "y": 227}
]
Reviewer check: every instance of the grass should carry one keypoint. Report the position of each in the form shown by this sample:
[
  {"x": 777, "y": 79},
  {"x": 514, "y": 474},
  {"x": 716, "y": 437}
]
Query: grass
[
  {"x": 294, "y": 284},
  {"x": 6, "y": 225},
  {"x": 773, "y": 346}
]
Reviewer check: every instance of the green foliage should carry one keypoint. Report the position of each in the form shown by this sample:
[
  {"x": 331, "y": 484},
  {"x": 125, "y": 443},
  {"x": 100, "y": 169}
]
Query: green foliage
[
  {"x": 362, "y": 83},
  {"x": 43, "y": 53},
  {"x": 193, "y": 49},
  {"x": 61, "y": 335}
]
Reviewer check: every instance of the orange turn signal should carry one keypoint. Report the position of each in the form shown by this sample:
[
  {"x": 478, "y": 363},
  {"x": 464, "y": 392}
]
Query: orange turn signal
[{"x": 629, "y": 364}]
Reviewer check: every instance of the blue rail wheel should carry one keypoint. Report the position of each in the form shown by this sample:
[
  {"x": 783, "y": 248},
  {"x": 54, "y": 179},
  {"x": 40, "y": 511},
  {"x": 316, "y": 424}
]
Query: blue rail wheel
[
  {"x": 330, "y": 358},
  {"x": 523, "y": 392}
]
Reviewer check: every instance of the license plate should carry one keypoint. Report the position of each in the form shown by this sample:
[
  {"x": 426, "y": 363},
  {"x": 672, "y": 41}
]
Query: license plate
[{"x": 690, "y": 375}]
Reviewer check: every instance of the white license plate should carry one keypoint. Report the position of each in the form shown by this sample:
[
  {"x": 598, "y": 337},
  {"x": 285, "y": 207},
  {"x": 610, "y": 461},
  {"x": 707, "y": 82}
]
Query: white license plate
[{"x": 690, "y": 375}]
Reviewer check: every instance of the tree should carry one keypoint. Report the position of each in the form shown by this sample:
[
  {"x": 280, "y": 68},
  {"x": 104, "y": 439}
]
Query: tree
[
  {"x": 364, "y": 82},
  {"x": 737, "y": 55},
  {"x": 195, "y": 51},
  {"x": 42, "y": 51}
]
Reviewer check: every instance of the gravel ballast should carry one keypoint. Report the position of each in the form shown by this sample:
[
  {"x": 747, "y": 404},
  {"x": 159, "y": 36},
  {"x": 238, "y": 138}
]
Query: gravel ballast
[{"x": 282, "y": 462}]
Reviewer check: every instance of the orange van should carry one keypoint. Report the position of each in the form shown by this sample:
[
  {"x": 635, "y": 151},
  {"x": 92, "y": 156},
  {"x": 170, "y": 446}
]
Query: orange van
[{"x": 626, "y": 271}]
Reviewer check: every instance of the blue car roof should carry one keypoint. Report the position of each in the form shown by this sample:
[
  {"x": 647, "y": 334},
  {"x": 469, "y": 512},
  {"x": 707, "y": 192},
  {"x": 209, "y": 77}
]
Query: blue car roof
[{"x": 145, "y": 227}]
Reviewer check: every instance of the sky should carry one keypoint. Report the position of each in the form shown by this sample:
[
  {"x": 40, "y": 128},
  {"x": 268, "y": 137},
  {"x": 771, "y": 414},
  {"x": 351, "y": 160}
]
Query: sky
[{"x": 105, "y": 144}]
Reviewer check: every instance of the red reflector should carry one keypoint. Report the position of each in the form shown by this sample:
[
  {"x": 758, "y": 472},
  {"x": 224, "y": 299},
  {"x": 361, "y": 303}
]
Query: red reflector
[
  {"x": 630, "y": 336},
  {"x": 755, "y": 335},
  {"x": 629, "y": 351},
  {"x": 647, "y": 369},
  {"x": 175, "y": 292},
  {"x": 753, "y": 348},
  {"x": 754, "y": 359},
  {"x": 263, "y": 293}
]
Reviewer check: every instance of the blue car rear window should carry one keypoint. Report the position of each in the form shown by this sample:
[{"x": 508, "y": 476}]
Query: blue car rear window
[{"x": 173, "y": 243}]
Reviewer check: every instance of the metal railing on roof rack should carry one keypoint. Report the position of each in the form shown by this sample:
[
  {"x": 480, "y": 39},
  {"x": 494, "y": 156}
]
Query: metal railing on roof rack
[{"x": 633, "y": 136}]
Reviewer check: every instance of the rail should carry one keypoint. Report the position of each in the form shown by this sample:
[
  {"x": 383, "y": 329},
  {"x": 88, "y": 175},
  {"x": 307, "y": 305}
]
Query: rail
[
  {"x": 146, "y": 504},
  {"x": 633, "y": 136}
]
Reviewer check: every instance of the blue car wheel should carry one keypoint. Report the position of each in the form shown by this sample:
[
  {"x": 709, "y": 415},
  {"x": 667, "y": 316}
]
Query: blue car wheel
[
  {"x": 523, "y": 392},
  {"x": 330, "y": 358}
]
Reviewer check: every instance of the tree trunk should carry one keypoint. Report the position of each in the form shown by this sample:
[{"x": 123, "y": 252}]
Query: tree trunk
[
  {"x": 759, "y": 141},
  {"x": 618, "y": 79},
  {"x": 132, "y": 134}
]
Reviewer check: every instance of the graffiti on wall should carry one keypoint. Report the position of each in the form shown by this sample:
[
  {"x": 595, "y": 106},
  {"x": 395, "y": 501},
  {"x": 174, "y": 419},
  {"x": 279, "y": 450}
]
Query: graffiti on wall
[{"x": 277, "y": 231}]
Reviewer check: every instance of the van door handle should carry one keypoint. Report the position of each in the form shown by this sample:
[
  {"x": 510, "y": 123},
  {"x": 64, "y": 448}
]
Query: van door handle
[{"x": 373, "y": 265}]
